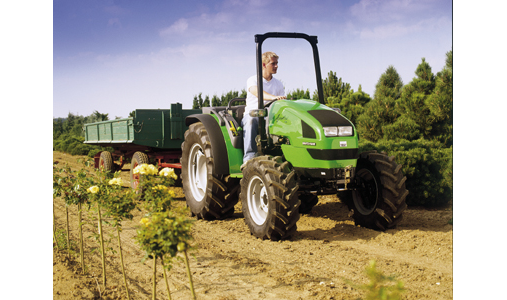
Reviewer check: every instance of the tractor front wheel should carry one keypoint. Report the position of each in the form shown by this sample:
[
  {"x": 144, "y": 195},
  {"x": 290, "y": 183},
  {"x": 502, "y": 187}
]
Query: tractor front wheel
[
  {"x": 378, "y": 200},
  {"x": 269, "y": 198}
]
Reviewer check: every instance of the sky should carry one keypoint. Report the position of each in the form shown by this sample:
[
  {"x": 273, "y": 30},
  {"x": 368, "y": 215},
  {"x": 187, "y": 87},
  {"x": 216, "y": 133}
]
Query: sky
[{"x": 117, "y": 56}]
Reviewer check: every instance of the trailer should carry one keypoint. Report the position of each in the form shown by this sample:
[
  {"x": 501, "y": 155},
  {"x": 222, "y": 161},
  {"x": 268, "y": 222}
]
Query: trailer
[{"x": 152, "y": 135}]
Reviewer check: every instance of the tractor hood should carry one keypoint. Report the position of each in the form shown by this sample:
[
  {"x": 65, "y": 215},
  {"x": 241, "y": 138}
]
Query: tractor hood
[{"x": 302, "y": 123}]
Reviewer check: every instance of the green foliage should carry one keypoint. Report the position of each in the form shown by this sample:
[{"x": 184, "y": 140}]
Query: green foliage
[
  {"x": 61, "y": 241},
  {"x": 165, "y": 230},
  {"x": 380, "y": 287},
  {"x": 427, "y": 165},
  {"x": 298, "y": 94},
  {"x": 381, "y": 111},
  {"x": 72, "y": 187},
  {"x": 68, "y": 135},
  {"x": 333, "y": 88},
  {"x": 376, "y": 115},
  {"x": 223, "y": 100},
  {"x": 352, "y": 105},
  {"x": 165, "y": 233},
  {"x": 389, "y": 85}
]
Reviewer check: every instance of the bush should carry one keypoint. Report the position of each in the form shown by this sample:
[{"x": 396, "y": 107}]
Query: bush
[
  {"x": 427, "y": 165},
  {"x": 75, "y": 145}
]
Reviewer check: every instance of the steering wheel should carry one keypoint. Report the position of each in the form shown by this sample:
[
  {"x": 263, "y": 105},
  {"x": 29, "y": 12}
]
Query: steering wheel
[{"x": 268, "y": 103}]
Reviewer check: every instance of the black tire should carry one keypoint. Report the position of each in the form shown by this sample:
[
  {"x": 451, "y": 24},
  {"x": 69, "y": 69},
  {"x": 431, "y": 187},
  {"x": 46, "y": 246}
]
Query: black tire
[
  {"x": 138, "y": 158},
  {"x": 209, "y": 196},
  {"x": 379, "y": 200},
  {"x": 269, "y": 198},
  {"x": 106, "y": 161}
]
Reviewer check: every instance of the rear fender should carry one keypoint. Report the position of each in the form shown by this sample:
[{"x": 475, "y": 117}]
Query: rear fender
[{"x": 218, "y": 148}]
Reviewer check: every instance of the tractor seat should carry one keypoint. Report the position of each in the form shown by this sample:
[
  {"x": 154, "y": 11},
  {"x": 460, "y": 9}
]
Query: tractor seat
[{"x": 238, "y": 112}]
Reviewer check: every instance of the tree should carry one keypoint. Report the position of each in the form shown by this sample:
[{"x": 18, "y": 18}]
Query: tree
[
  {"x": 333, "y": 87},
  {"x": 298, "y": 94},
  {"x": 389, "y": 85},
  {"x": 100, "y": 117},
  {"x": 439, "y": 104},
  {"x": 352, "y": 106},
  {"x": 381, "y": 111},
  {"x": 415, "y": 121},
  {"x": 217, "y": 101}
]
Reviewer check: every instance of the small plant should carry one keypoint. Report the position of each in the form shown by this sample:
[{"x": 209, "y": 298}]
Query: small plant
[
  {"x": 101, "y": 194},
  {"x": 73, "y": 189},
  {"x": 118, "y": 206},
  {"x": 163, "y": 235},
  {"x": 380, "y": 287},
  {"x": 61, "y": 240},
  {"x": 163, "y": 232},
  {"x": 154, "y": 186}
]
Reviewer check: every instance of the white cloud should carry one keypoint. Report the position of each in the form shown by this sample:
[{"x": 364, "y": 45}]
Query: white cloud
[
  {"x": 400, "y": 29},
  {"x": 179, "y": 27},
  {"x": 389, "y": 10},
  {"x": 387, "y": 31}
]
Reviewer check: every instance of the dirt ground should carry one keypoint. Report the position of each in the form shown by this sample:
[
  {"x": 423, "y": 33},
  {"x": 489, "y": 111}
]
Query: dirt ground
[{"x": 229, "y": 263}]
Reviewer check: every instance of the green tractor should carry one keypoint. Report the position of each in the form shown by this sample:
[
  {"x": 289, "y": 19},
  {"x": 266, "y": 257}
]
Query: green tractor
[{"x": 307, "y": 149}]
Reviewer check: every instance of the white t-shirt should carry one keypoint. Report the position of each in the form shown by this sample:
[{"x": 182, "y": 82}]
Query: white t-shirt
[{"x": 274, "y": 87}]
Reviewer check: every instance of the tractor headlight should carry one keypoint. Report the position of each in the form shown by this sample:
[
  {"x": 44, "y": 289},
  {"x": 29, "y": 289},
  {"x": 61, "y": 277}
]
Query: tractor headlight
[
  {"x": 338, "y": 131},
  {"x": 258, "y": 113}
]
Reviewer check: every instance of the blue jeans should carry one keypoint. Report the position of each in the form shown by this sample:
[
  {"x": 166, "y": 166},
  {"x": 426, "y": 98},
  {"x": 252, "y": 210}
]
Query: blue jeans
[{"x": 250, "y": 130}]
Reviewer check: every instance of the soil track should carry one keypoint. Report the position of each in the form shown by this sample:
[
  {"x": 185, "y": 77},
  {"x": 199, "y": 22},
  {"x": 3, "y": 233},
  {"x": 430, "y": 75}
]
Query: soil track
[{"x": 326, "y": 252}]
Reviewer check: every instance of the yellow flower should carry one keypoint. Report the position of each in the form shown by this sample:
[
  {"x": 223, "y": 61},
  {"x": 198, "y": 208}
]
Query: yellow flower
[
  {"x": 140, "y": 169},
  {"x": 145, "y": 169},
  {"x": 171, "y": 193},
  {"x": 168, "y": 172},
  {"x": 145, "y": 221},
  {"x": 116, "y": 181},
  {"x": 93, "y": 189},
  {"x": 181, "y": 246},
  {"x": 159, "y": 187}
]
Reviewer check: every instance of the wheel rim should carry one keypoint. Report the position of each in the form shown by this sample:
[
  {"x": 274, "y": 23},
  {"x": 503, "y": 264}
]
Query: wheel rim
[
  {"x": 257, "y": 199},
  {"x": 366, "y": 197},
  {"x": 135, "y": 177},
  {"x": 197, "y": 172}
]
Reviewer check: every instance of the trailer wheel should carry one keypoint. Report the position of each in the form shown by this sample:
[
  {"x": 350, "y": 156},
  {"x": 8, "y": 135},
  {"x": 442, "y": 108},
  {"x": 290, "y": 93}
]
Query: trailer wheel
[
  {"x": 106, "y": 161},
  {"x": 138, "y": 158},
  {"x": 209, "y": 196},
  {"x": 378, "y": 201},
  {"x": 269, "y": 198}
]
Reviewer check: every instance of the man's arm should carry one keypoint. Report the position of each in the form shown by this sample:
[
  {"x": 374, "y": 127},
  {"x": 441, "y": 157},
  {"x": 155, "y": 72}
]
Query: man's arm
[{"x": 267, "y": 96}]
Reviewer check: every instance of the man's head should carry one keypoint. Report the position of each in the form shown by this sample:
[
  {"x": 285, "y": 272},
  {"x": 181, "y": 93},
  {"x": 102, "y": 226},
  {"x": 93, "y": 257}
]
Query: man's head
[{"x": 270, "y": 62}]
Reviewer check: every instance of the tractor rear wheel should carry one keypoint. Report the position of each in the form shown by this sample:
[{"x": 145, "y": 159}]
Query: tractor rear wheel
[
  {"x": 209, "y": 196},
  {"x": 269, "y": 198},
  {"x": 378, "y": 201}
]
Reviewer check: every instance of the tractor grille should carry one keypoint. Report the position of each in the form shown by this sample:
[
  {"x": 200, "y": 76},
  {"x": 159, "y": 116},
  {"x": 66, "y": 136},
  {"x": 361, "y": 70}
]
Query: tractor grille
[{"x": 333, "y": 154}]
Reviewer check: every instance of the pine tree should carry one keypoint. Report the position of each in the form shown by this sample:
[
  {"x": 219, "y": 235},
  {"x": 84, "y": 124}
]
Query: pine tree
[
  {"x": 333, "y": 87},
  {"x": 389, "y": 85},
  {"x": 381, "y": 111},
  {"x": 352, "y": 106},
  {"x": 298, "y": 94},
  {"x": 412, "y": 106},
  {"x": 440, "y": 104}
]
